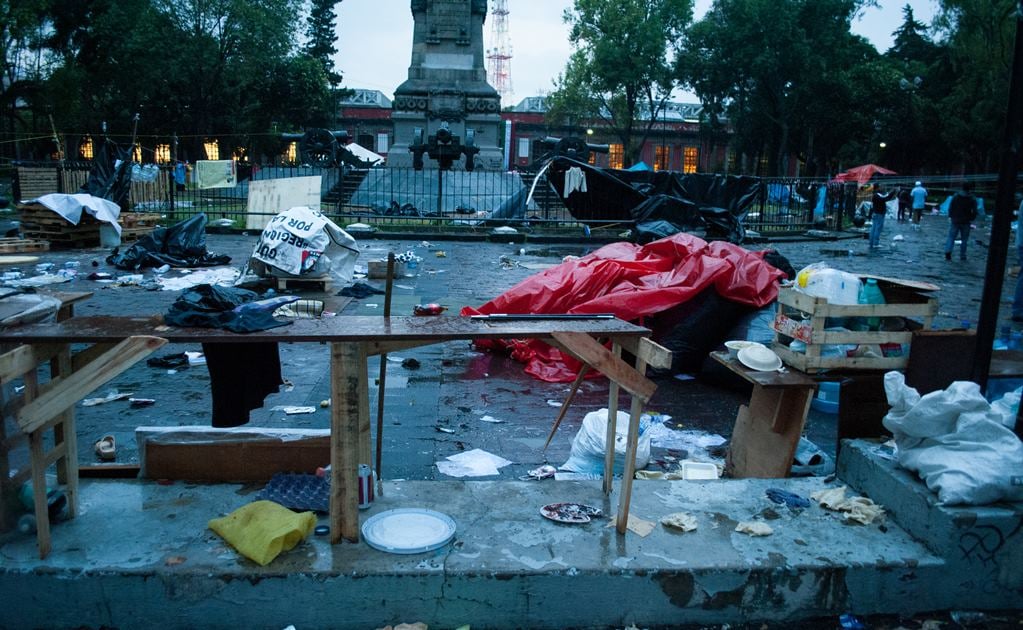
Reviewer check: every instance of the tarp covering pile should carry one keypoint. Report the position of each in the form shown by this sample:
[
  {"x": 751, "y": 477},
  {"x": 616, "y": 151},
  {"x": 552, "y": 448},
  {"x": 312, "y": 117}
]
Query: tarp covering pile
[
  {"x": 180, "y": 245},
  {"x": 661, "y": 203},
  {"x": 635, "y": 283}
]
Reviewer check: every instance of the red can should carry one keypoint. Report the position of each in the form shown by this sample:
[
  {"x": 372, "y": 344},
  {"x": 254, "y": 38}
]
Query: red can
[
  {"x": 428, "y": 309},
  {"x": 365, "y": 486}
]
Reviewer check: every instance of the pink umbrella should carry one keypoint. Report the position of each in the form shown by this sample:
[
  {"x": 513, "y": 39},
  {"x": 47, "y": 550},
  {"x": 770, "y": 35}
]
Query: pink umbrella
[{"x": 863, "y": 174}]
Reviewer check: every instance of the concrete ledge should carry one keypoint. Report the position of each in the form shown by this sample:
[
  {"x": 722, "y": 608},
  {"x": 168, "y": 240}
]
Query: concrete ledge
[
  {"x": 982, "y": 545},
  {"x": 140, "y": 555}
]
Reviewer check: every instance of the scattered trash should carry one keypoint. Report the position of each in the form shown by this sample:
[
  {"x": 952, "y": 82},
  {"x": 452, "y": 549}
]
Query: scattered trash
[
  {"x": 573, "y": 513},
  {"x": 394, "y": 358},
  {"x": 297, "y": 491},
  {"x": 474, "y": 463},
  {"x": 851, "y": 622},
  {"x": 410, "y": 364},
  {"x": 679, "y": 520},
  {"x": 111, "y": 396},
  {"x": 222, "y": 276},
  {"x": 325, "y": 403},
  {"x": 699, "y": 470},
  {"x": 754, "y": 528},
  {"x": 142, "y": 402},
  {"x": 857, "y": 509},
  {"x": 587, "y": 455},
  {"x": 292, "y": 410},
  {"x": 543, "y": 472},
  {"x": 321, "y": 530},
  {"x": 810, "y": 461},
  {"x": 408, "y": 531},
  {"x": 179, "y": 359},
  {"x": 360, "y": 290},
  {"x": 791, "y": 500},
  {"x": 965, "y": 618},
  {"x": 491, "y": 419},
  {"x": 195, "y": 358},
  {"x": 161, "y": 269},
  {"x": 441, "y": 429},
  {"x": 106, "y": 448},
  {"x": 129, "y": 279},
  {"x": 287, "y": 385},
  {"x": 553, "y": 403},
  {"x": 428, "y": 309},
  {"x": 636, "y": 525},
  {"x": 261, "y": 530},
  {"x": 440, "y": 254},
  {"x": 100, "y": 275}
]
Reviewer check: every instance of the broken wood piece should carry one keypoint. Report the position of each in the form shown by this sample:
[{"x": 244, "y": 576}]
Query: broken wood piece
[
  {"x": 586, "y": 349},
  {"x": 568, "y": 401},
  {"x": 74, "y": 387}
]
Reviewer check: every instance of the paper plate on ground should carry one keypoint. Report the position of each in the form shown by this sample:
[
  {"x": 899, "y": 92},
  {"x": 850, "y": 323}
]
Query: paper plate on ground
[
  {"x": 570, "y": 512},
  {"x": 408, "y": 530}
]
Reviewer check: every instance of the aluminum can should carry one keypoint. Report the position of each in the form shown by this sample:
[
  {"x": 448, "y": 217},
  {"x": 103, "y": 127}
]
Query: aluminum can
[{"x": 365, "y": 486}]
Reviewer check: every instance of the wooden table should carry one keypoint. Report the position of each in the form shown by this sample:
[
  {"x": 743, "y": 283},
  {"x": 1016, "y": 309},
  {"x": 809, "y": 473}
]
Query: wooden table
[
  {"x": 767, "y": 431},
  {"x": 353, "y": 339}
]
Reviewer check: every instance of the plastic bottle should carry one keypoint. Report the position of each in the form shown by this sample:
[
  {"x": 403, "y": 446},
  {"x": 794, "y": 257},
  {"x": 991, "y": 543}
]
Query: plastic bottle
[{"x": 871, "y": 294}]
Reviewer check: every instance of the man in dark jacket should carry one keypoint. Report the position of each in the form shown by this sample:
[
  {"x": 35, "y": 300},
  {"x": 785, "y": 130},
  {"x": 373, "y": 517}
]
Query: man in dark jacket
[{"x": 961, "y": 211}]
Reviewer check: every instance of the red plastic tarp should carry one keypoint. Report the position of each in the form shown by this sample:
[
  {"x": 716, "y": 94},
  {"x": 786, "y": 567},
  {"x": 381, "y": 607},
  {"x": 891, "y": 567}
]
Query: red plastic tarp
[
  {"x": 631, "y": 281},
  {"x": 863, "y": 174}
]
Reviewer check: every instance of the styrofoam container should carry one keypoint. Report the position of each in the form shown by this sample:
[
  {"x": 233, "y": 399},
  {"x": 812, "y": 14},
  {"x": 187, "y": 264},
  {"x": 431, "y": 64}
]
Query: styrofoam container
[{"x": 699, "y": 470}]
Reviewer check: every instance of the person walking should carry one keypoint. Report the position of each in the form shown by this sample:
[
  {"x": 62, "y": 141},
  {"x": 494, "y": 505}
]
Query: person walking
[
  {"x": 904, "y": 201},
  {"x": 919, "y": 202},
  {"x": 961, "y": 211},
  {"x": 878, "y": 208}
]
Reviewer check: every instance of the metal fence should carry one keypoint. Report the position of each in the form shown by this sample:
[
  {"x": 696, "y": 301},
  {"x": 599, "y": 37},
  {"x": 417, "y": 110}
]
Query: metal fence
[{"x": 399, "y": 198}]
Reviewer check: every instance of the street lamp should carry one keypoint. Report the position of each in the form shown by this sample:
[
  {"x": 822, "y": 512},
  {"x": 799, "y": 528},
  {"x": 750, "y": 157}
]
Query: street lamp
[{"x": 883, "y": 144}]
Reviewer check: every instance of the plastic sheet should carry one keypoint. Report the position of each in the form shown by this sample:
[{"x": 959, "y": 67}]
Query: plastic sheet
[
  {"x": 181, "y": 245},
  {"x": 633, "y": 282}
]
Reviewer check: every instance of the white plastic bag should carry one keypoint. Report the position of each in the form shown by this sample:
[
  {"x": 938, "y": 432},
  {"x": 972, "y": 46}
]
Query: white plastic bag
[
  {"x": 958, "y": 443},
  {"x": 300, "y": 241},
  {"x": 588, "y": 446}
]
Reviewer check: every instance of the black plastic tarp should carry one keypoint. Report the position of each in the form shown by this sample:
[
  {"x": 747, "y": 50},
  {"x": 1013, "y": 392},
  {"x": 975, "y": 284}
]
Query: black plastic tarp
[
  {"x": 180, "y": 245},
  {"x": 110, "y": 177},
  {"x": 660, "y": 203}
]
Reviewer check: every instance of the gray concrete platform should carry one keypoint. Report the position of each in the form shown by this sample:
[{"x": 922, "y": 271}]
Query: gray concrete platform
[{"x": 140, "y": 555}]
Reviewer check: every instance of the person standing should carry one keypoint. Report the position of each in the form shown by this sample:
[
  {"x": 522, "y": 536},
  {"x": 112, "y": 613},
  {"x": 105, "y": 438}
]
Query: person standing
[
  {"x": 961, "y": 211},
  {"x": 878, "y": 208},
  {"x": 919, "y": 196},
  {"x": 904, "y": 200}
]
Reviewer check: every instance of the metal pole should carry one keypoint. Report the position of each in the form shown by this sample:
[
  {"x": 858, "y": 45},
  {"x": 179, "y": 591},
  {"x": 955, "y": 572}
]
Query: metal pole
[
  {"x": 997, "y": 254},
  {"x": 383, "y": 377},
  {"x": 440, "y": 190}
]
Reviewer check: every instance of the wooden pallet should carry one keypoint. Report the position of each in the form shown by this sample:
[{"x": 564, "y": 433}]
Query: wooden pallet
[
  {"x": 22, "y": 245},
  {"x": 321, "y": 284}
]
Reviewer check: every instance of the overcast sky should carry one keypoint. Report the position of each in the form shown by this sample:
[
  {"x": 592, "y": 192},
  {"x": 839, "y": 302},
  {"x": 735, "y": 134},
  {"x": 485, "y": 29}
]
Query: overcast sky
[{"x": 375, "y": 40}]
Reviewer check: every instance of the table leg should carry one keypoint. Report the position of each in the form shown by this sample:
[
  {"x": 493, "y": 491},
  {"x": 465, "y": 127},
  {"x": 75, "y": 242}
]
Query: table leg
[
  {"x": 64, "y": 433},
  {"x": 612, "y": 419},
  {"x": 347, "y": 388},
  {"x": 635, "y": 410}
]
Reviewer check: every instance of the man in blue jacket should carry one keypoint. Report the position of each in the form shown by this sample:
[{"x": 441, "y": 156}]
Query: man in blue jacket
[{"x": 961, "y": 211}]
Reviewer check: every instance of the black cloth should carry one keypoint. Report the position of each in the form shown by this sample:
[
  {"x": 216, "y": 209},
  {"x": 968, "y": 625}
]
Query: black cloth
[
  {"x": 180, "y": 245},
  {"x": 241, "y": 376},
  {"x": 359, "y": 290},
  {"x": 962, "y": 208},
  {"x": 209, "y": 306}
]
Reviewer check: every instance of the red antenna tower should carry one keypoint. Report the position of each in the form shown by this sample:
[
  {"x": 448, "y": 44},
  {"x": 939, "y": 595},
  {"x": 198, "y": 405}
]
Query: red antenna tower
[{"x": 500, "y": 52}]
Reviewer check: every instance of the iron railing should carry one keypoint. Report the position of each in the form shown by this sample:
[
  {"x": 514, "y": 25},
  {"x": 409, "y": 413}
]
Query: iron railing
[{"x": 431, "y": 200}]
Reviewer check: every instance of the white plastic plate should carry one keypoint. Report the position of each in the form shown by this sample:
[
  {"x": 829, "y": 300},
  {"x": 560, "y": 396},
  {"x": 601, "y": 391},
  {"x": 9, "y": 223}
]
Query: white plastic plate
[{"x": 408, "y": 530}]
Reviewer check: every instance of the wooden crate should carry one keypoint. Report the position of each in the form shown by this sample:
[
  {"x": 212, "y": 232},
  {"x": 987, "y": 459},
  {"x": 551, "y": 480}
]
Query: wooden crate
[
  {"x": 801, "y": 316},
  {"x": 22, "y": 246}
]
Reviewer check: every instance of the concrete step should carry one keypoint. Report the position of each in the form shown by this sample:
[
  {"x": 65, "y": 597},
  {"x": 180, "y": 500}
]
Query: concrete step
[{"x": 140, "y": 555}]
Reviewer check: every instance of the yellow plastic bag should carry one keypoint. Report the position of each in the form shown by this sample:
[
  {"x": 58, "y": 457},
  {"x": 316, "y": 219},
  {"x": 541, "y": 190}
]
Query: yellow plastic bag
[{"x": 260, "y": 531}]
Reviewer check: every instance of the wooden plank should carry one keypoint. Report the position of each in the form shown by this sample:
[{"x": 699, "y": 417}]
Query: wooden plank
[
  {"x": 66, "y": 437},
  {"x": 767, "y": 432},
  {"x": 268, "y": 197},
  {"x": 587, "y": 350},
  {"x": 84, "y": 357},
  {"x": 625, "y": 497},
  {"x": 612, "y": 420},
  {"x": 37, "y": 461},
  {"x": 15, "y": 363},
  {"x": 374, "y": 348},
  {"x": 655, "y": 355},
  {"x": 568, "y": 401},
  {"x": 347, "y": 377},
  {"x": 75, "y": 387}
]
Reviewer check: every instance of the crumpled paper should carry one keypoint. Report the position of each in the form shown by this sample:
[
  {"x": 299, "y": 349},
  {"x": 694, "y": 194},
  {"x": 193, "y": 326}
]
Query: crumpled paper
[
  {"x": 754, "y": 528},
  {"x": 679, "y": 520},
  {"x": 860, "y": 510}
]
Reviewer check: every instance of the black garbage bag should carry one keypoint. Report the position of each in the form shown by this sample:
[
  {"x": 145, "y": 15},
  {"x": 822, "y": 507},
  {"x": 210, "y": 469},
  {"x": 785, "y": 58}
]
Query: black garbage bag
[
  {"x": 694, "y": 328},
  {"x": 180, "y": 245}
]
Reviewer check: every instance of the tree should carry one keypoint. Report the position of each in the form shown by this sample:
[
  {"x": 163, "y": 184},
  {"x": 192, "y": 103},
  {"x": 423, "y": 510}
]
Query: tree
[
  {"x": 19, "y": 65},
  {"x": 979, "y": 36},
  {"x": 621, "y": 69},
  {"x": 321, "y": 37},
  {"x": 786, "y": 74}
]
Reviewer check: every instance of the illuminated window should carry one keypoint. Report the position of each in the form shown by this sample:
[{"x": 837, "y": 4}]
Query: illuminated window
[
  {"x": 593, "y": 158},
  {"x": 212, "y": 148},
  {"x": 291, "y": 153},
  {"x": 85, "y": 149},
  {"x": 690, "y": 157},
  {"x": 662, "y": 158},
  {"x": 238, "y": 154},
  {"x": 136, "y": 154},
  {"x": 762, "y": 165},
  {"x": 162, "y": 154},
  {"x": 615, "y": 156}
]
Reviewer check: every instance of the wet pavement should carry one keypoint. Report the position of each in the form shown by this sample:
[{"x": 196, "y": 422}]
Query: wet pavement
[{"x": 436, "y": 410}]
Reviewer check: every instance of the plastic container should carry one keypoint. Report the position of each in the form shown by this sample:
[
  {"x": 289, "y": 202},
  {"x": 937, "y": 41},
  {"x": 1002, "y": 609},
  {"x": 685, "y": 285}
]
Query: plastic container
[
  {"x": 837, "y": 287},
  {"x": 870, "y": 293},
  {"x": 826, "y": 400}
]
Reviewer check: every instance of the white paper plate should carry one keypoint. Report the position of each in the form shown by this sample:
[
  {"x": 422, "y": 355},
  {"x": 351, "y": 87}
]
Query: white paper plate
[{"x": 408, "y": 530}]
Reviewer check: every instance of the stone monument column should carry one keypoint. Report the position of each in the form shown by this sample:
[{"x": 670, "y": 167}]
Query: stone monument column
[{"x": 447, "y": 82}]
